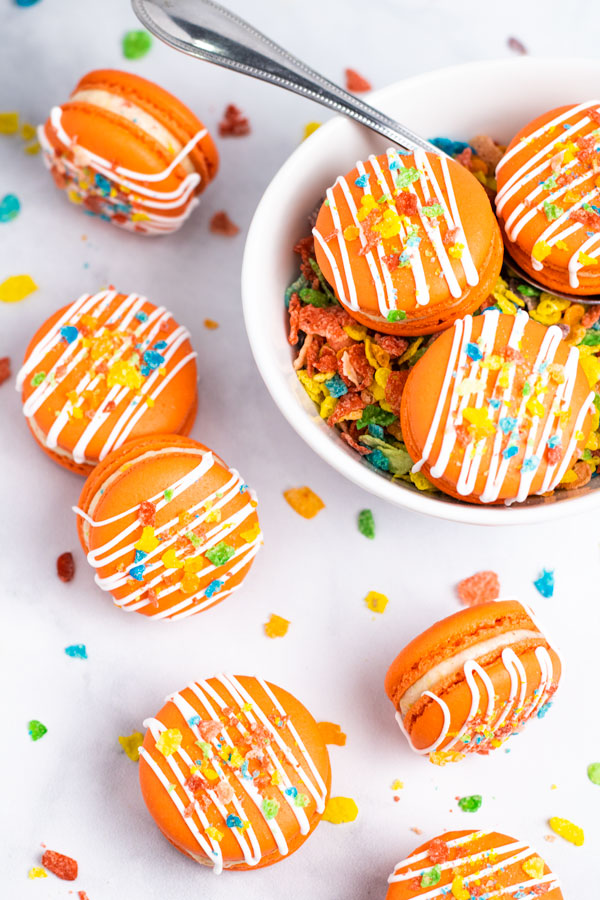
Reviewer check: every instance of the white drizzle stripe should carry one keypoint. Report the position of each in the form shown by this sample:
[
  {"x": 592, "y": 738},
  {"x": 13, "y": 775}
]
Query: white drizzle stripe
[
  {"x": 343, "y": 250},
  {"x": 339, "y": 286}
]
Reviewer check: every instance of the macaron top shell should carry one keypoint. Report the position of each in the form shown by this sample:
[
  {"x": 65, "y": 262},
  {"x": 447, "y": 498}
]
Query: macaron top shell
[
  {"x": 169, "y": 527},
  {"x": 498, "y": 408},
  {"x": 108, "y": 368},
  {"x": 234, "y": 772},
  {"x": 548, "y": 197},
  {"x": 455, "y": 863},
  {"x": 404, "y": 238}
]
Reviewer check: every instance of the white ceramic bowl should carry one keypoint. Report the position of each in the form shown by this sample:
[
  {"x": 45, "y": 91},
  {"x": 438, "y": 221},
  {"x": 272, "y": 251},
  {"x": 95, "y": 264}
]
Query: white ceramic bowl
[{"x": 494, "y": 98}]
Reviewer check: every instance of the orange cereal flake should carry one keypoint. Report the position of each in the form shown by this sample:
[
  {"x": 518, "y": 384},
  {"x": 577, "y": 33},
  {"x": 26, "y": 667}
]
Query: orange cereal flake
[
  {"x": 332, "y": 733},
  {"x": 222, "y": 224},
  {"x": 277, "y": 626},
  {"x": 478, "y": 588},
  {"x": 304, "y": 501},
  {"x": 356, "y": 83},
  {"x": 211, "y": 324}
]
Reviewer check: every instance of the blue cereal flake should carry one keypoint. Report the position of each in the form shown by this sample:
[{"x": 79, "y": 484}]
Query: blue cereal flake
[
  {"x": 507, "y": 424},
  {"x": 494, "y": 403},
  {"x": 447, "y": 145},
  {"x": 362, "y": 180},
  {"x": 243, "y": 488},
  {"x": 554, "y": 440},
  {"x": 153, "y": 359},
  {"x": 544, "y": 583},
  {"x": 375, "y": 431},
  {"x": 9, "y": 208},
  {"x": 69, "y": 333},
  {"x": 530, "y": 464},
  {"x": 233, "y": 821},
  {"x": 137, "y": 572},
  {"x": 139, "y": 556},
  {"x": 76, "y": 651},
  {"x": 510, "y": 451},
  {"x": 141, "y": 316},
  {"x": 213, "y": 587},
  {"x": 194, "y": 720},
  {"x": 543, "y": 710},
  {"x": 473, "y": 351},
  {"x": 379, "y": 460},
  {"x": 102, "y": 183},
  {"x": 161, "y": 345},
  {"x": 291, "y": 791},
  {"x": 336, "y": 386}
]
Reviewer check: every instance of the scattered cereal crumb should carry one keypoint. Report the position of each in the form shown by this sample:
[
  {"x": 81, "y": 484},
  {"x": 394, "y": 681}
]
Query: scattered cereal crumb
[
  {"x": 9, "y": 122},
  {"x": 340, "y": 810},
  {"x": 36, "y": 729},
  {"x": 550, "y": 838},
  {"x": 479, "y": 588},
  {"x": 276, "y": 627},
  {"x": 131, "y": 744},
  {"x": 309, "y": 129},
  {"x": 222, "y": 224},
  {"x": 416, "y": 830},
  {"x": 516, "y": 45},
  {"x": 37, "y": 872},
  {"x": 544, "y": 583},
  {"x": 211, "y": 324},
  {"x": 65, "y": 566},
  {"x": 32, "y": 149},
  {"x": 169, "y": 741},
  {"x": 82, "y": 895},
  {"x": 233, "y": 123},
  {"x": 593, "y": 772},
  {"x": 366, "y": 523},
  {"x": 376, "y": 602},
  {"x": 136, "y": 44},
  {"x": 62, "y": 866},
  {"x": 304, "y": 501},
  {"x": 76, "y": 651},
  {"x": 355, "y": 82},
  {"x": 443, "y": 757},
  {"x": 16, "y": 288},
  {"x": 534, "y": 866},
  {"x": 5, "y": 370},
  {"x": 471, "y": 803},
  {"x": 28, "y": 131},
  {"x": 10, "y": 208},
  {"x": 567, "y": 830},
  {"x": 396, "y": 785},
  {"x": 332, "y": 733}
]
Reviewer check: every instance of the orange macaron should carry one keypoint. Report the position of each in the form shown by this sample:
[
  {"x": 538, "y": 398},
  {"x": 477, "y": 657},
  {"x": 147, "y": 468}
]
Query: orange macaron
[
  {"x": 235, "y": 772},
  {"x": 469, "y": 682},
  {"x": 497, "y": 409},
  {"x": 129, "y": 152},
  {"x": 408, "y": 242},
  {"x": 548, "y": 199},
  {"x": 108, "y": 368},
  {"x": 169, "y": 528},
  {"x": 470, "y": 864}
]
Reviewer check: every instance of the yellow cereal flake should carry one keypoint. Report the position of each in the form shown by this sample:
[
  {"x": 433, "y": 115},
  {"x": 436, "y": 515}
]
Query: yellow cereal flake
[
  {"x": 125, "y": 374},
  {"x": 309, "y": 129},
  {"x": 327, "y": 407},
  {"x": 534, "y": 867},
  {"x": 148, "y": 541},
  {"x": 169, "y": 741},
  {"x": 479, "y": 418},
  {"x": 36, "y": 871},
  {"x": 541, "y": 250},
  {"x": 396, "y": 785},
  {"x": 170, "y": 560},
  {"x": 314, "y": 390},
  {"x": 211, "y": 324},
  {"x": 535, "y": 407},
  {"x": 567, "y": 830},
  {"x": 16, "y": 288},
  {"x": 443, "y": 757},
  {"x": 304, "y": 501},
  {"x": 351, "y": 232},
  {"x": 131, "y": 744},
  {"x": 9, "y": 122},
  {"x": 276, "y": 627},
  {"x": 376, "y": 602},
  {"x": 28, "y": 131},
  {"x": 421, "y": 483},
  {"x": 591, "y": 367},
  {"x": 561, "y": 245},
  {"x": 459, "y": 891},
  {"x": 456, "y": 251},
  {"x": 340, "y": 810},
  {"x": 585, "y": 260},
  {"x": 367, "y": 205},
  {"x": 356, "y": 332},
  {"x": 376, "y": 355},
  {"x": 190, "y": 583},
  {"x": 251, "y": 534},
  {"x": 214, "y": 833}
]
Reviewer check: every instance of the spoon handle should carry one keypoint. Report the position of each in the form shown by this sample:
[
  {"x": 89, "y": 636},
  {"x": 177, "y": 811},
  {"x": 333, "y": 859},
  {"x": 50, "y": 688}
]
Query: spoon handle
[{"x": 209, "y": 31}]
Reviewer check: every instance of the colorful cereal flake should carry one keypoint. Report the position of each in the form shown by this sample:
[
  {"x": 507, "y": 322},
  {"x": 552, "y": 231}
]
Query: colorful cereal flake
[
  {"x": 131, "y": 744},
  {"x": 593, "y": 772},
  {"x": 65, "y": 567},
  {"x": 36, "y": 729},
  {"x": 276, "y": 627},
  {"x": 567, "y": 830},
  {"x": 544, "y": 583},
  {"x": 366, "y": 523},
  {"x": 471, "y": 803},
  {"x": 355, "y": 82},
  {"x": 340, "y": 810},
  {"x": 222, "y": 224},
  {"x": 17, "y": 288},
  {"x": 136, "y": 44},
  {"x": 309, "y": 129},
  {"x": 62, "y": 866},
  {"x": 37, "y": 872},
  {"x": 5, "y": 370},
  {"x": 169, "y": 741},
  {"x": 482, "y": 587},
  {"x": 332, "y": 733},
  {"x": 233, "y": 123},
  {"x": 10, "y": 208},
  {"x": 376, "y": 602},
  {"x": 304, "y": 501},
  {"x": 76, "y": 651}
]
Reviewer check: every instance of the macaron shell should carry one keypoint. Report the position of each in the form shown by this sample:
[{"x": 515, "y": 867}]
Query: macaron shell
[
  {"x": 424, "y": 387},
  {"x": 510, "y": 874},
  {"x": 425, "y": 720},
  {"x": 173, "y": 410},
  {"x": 554, "y": 273},
  {"x": 169, "y": 819},
  {"x": 147, "y": 470},
  {"x": 166, "y": 108},
  {"x": 483, "y": 240}
]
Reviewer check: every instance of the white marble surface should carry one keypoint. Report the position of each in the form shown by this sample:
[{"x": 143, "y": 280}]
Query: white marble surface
[{"x": 74, "y": 790}]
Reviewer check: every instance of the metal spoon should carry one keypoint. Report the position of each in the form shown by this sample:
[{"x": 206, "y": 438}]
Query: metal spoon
[{"x": 209, "y": 31}]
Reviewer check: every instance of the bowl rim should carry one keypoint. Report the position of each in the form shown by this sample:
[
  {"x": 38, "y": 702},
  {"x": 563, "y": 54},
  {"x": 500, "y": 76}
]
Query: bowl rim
[{"x": 351, "y": 468}]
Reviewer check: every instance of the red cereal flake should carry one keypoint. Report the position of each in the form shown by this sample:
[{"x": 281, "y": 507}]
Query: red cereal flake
[
  {"x": 348, "y": 406},
  {"x": 372, "y": 239},
  {"x": 65, "y": 566},
  {"x": 479, "y": 588},
  {"x": 450, "y": 236},
  {"x": 356, "y": 83},
  {"x": 327, "y": 361},
  {"x": 354, "y": 365},
  {"x": 463, "y": 438},
  {"x": 306, "y": 250},
  {"x": 294, "y": 313},
  {"x": 394, "y": 388},
  {"x": 152, "y": 597},
  {"x": 312, "y": 353},
  {"x": 62, "y": 866},
  {"x": 392, "y": 261},
  {"x": 348, "y": 439},
  {"x": 393, "y": 345},
  {"x": 233, "y": 123},
  {"x": 222, "y": 224},
  {"x": 553, "y": 455},
  {"x": 439, "y": 851},
  {"x": 329, "y": 323},
  {"x": 4, "y": 369},
  {"x": 82, "y": 895},
  {"x": 594, "y": 115},
  {"x": 188, "y": 812},
  {"x": 406, "y": 203},
  {"x": 194, "y": 783},
  {"x": 516, "y": 45},
  {"x": 590, "y": 316},
  {"x": 147, "y": 513},
  {"x": 465, "y": 158},
  {"x": 586, "y": 217},
  {"x": 513, "y": 355}
]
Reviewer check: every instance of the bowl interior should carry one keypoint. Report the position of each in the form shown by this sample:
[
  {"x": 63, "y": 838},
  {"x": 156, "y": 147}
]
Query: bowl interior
[{"x": 494, "y": 98}]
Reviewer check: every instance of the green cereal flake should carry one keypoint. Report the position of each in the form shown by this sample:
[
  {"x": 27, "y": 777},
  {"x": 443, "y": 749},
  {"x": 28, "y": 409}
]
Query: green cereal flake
[
  {"x": 593, "y": 772},
  {"x": 38, "y": 378},
  {"x": 270, "y": 807},
  {"x": 396, "y": 315},
  {"x": 366, "y": 523},
  {"x": 431, "y": 877},
  {"x": 375, "y": 415},
  {"x": 136, "y": 44},
  {"x": 220, "y": 554},
  {"x": 406, "y": 177},
  {"x": 36, "y": 729},
  {"x": 168, "y": 494},
  {"x": 314, "y": 298},
  {"x": 471, "y": 803}
]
